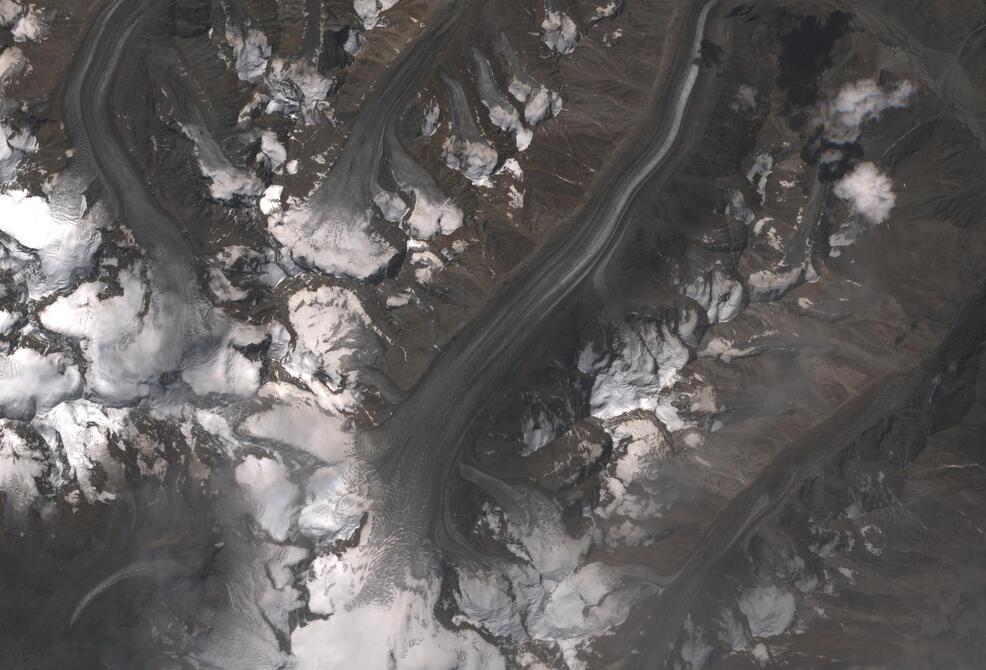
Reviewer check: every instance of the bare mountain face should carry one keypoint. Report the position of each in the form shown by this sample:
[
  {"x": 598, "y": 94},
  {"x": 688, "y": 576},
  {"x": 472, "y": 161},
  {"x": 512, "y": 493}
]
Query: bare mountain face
[{"x": 495, "y": 334}]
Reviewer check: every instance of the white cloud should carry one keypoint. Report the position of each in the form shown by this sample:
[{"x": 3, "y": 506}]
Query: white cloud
[
  {"x": 858, "y": 103},
  {"x": 869, "y": 191}
]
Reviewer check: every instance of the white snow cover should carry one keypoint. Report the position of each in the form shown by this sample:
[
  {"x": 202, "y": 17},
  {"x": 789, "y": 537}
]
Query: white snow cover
[
  {"x": 84, "y": 429},
  {"x": 31, "y": 26},
  {"x": 606, "y": 11},
  {"x": 7, "y": 321},
  {"x": 869, "y": 192},
  {"x": 540, "y": 102},
  {"x": 334, "y": 504},
  {"x": 228, "y": 182},
  {"x": 539, "y": 427},
  {"x": 28, "y": 220},
  {"x": 466, "y": 150},
  {"x": 858, "y": 103},
  {"x": 14, "y": 145},
  {"x": 12, "y": 62},
  {"x": 506, "y": 118},
  {"x": 9, "y": 10},
  {"x": 302, "y": 425},
  {"x": 425, "y": 263},
  {"x": 642, "y": 443},
  {"x": 369, "y": 11},
  {"x": 31, "y": 381},
  {"x": 339, "y": 242},
  {"x": 250, "y": 51},
  {"x": 626, "y": 497},
  {"x": 646, "y": 360},
  {"x": 63, "y": 239},
  {"x": 354, "y": 41},
  {"x": 746, "y": 98},
  {"x": 502, "y": 113},
  {"x": 759, "y": 173},
  {"x": 129, "y": 341},
  {"x": 769, "y": 285},
  {"x": 399, "y": 632},
  {"x": 429, "y": 120},
  {"x": 475, "y": 160},
  {"x": 549, "y": 596},
  {"x": 769, "y": 610},
  {"x": 560, "y": 32},
  {"x": 430, "y": 218},
  {"x": 274, "y": 495},
  {"x": 720, "y": 295},
  {"x": 122, "y": 346},
  {"x": 297, "y": 87},
  {"x": 225, "y": 370},
  {"x": 695, "y": 650},
  {"x": 330, "y": 327},
  {"x": 20, "y": 466},
  {"x": 272, "y": 152},
  {"x": 392, "y": 207}
]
